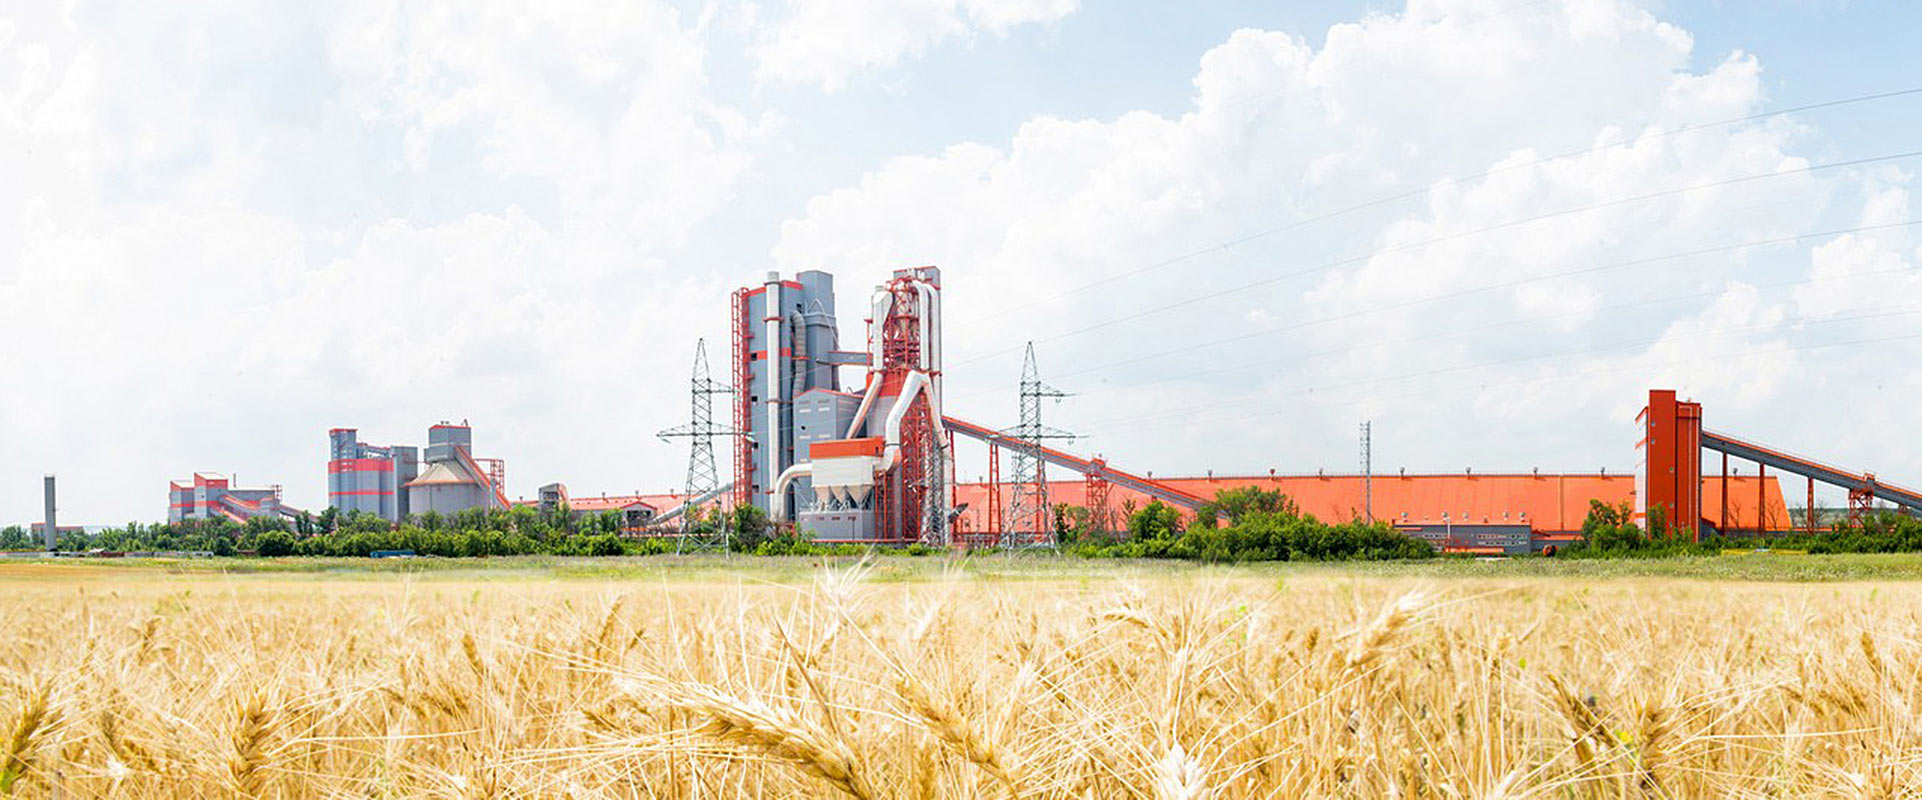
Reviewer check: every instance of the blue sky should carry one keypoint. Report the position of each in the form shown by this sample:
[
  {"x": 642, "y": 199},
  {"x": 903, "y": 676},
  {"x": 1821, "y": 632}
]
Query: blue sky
[{"x": 234, "y": 227}]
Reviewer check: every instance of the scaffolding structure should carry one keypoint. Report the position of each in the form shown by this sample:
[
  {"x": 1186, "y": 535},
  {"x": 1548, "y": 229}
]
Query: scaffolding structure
[
  {"x": 743, "y": 378},
  {"x": 1096, "y": 486}
]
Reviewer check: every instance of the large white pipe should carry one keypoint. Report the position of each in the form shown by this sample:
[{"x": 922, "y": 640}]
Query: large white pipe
[
  {"x": 883, "y": 306},
  {"x": 927, "y": 325},
  {"x": 779, "y": 510},
  {"x": 891, "y": 430},
  {"x": 883, "y": 302},
  {"x": 867, "y": 404},
  {"x": 934, "y": 311},
  {"x": 772, "y": 341},
  {"x": 931, "y": 357}
]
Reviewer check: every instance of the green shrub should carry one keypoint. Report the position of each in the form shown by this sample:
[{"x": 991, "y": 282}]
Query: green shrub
[{"x": 274, "y": 544}]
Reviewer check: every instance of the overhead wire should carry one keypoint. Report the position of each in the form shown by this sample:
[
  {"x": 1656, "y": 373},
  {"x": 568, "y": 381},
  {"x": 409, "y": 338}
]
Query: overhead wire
[
  {"x": 1559, "y": 353},
  {"x": 1491, "y": 287},
  {"x": 1238, "y": 289},
  {"x": 1470, "y": 291},
  {"x": 1459, "y": 332},
  {"x": 1450, "y": 181},
  {"x": 1589, "y": 372}
]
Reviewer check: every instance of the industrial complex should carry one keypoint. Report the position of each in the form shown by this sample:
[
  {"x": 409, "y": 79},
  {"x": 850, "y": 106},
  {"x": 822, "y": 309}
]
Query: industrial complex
[
  {"x": 394, "y": 482},
  {"x": 214, "y": 497},
  {"x": 852, "y": 444},
  {"x": 873, "y": 461}
]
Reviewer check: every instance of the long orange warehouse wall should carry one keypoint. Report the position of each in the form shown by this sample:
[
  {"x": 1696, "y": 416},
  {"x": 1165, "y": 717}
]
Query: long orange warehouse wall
[{"x": 1548, "y": 503}]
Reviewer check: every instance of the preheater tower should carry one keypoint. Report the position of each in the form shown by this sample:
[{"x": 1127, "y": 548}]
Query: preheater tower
[
  {"x": 869, "y": 467},
  {"x": 785, "y": 345}
]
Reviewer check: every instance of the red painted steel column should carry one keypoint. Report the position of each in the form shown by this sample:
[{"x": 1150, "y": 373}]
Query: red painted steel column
[
  {"x": 995, "y": 524},
  {"x": 1808, "y": 509}
]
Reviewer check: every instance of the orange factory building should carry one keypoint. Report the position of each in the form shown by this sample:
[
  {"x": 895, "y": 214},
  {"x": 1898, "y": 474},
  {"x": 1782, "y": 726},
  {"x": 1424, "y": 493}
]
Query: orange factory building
[{"x": 1547, "y": 503}]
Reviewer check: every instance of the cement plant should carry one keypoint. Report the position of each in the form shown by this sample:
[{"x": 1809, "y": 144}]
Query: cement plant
[{"x": 851, "y": 445}]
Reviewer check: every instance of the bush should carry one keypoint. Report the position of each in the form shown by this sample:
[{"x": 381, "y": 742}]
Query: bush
[
  {"x": 1261, "y": 526},
  {"x": 274, "y": 544},
  {"x": 1155, "y": 522},
  {"x": 1609, "y": 532}
]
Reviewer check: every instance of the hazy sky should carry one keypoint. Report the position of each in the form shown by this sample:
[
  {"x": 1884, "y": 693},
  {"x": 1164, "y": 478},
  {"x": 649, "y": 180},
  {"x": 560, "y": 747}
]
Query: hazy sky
[{"x": 1234, "y": 229}]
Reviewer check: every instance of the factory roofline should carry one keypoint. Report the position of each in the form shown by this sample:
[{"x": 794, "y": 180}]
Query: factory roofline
[
  {"x": 1547, "y": 502},
  {"x": 1252, "y": 476},
  {"x": 440, "y": 475},
  {"x": 611, "y": 502}
]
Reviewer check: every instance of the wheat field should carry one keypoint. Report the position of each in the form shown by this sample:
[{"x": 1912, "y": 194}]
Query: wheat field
[{"x": 1111, "y": 685}]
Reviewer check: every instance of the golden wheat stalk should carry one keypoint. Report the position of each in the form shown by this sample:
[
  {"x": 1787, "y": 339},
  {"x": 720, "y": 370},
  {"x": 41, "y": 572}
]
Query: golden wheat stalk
[
  {"x": 253, "y": 725},
  {"x": 1373, "y": 641},
  {"x": 777, "y": 732},
  {"x": 1178, "y": 776},
  {"x": 954, "y": 731},
  {"x": 32, "y": 724}
]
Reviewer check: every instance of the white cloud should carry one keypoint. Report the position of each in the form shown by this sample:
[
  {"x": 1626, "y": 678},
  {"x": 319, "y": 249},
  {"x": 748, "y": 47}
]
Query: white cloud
[
  {"x": 825, "y": 42},
  {"x": 226, "y": 231},
  {"x": 1856, "y": 268},
  {"x": 1280, "y": 133},
  {"x": 408, "y": 212}
]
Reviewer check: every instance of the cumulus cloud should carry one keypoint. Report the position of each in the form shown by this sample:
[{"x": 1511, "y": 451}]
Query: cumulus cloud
[
  {"x": 385, "y": 216},
  {"x": 825, "y": 42},
  {"x": 1430, "y": 219},
  {"x": 227, "y": 231}
]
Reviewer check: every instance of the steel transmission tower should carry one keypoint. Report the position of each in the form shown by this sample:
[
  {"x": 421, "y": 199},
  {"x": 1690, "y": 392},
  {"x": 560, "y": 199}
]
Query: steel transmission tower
[
  {"x": 1367, "y": 473},
  {"x": 1031, "y": 518},
  {"x": 703, "y": 477}
]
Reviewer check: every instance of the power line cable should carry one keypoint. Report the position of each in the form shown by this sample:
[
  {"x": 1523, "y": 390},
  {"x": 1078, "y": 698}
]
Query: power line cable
[
  {"x": 1460, "y": 332},
  {"x": 1539, "y": 379},
  {"x": 1509, "y": 284},
  {"x": 1493, "y": 171},
  {"x": 1584, "y": 373},
  {"x": 1493, "y": 287},
  {"x": 1163, "y": 307},
  {"x": 1562, "y": 353}
]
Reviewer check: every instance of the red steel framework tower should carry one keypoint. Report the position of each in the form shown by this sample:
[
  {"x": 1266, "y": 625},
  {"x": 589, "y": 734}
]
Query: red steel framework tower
[
  {"x": 911, "y": 506},
  {"x": 743, "y": 404},
  {"x": 992, "y": 536},
  {"x": 1862, "y": 501},
  {"x": 1096, "y": 485}
]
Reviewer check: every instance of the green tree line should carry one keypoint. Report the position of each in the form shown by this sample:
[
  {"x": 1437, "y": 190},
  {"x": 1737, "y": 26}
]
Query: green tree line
[
  {"x": 1609, "y": 531},
  {"x": 1244, "y": 524}
]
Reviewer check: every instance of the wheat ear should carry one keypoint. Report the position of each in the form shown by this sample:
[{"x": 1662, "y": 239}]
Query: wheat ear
[
  {"x": 253, "y": 724},
  {"x": 33, "y": 722},
  {"x": 954, "y": 731},
  {"x": 777, "y": 732}
]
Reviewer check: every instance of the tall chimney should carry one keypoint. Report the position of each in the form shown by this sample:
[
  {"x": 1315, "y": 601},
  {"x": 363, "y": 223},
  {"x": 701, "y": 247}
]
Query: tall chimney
[{"x": 53, "y": 525}]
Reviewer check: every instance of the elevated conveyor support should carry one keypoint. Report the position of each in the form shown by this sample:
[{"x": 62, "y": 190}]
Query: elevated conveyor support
[
  {"x": 1086, "y": 467},
  {"x": 696, "y": 502},
  {"x": 1671, "y": 474},
  {"x": 1807, "y": 468},
  {"x": 485, "y": 477}
]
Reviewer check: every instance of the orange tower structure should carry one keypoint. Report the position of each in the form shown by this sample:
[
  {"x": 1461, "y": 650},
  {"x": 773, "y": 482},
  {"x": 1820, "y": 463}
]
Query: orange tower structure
[{"x": 1670, "y": 477}]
